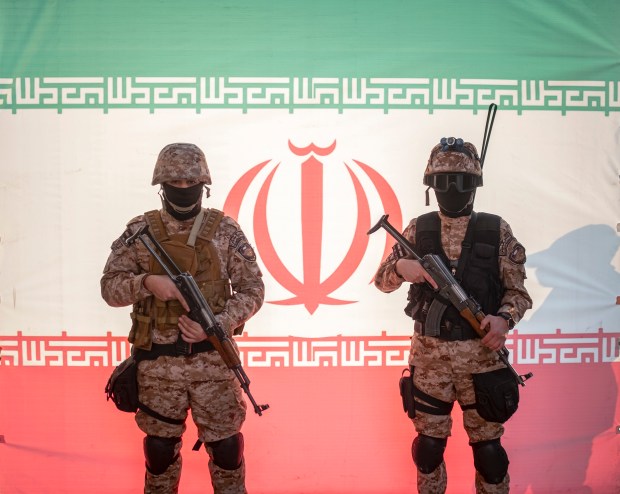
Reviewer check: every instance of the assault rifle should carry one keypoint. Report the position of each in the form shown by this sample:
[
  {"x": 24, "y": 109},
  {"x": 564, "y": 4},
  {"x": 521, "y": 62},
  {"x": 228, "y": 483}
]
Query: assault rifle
[
  {"x": 199, "y": 312},
  {"x": 450, "y": 290}
]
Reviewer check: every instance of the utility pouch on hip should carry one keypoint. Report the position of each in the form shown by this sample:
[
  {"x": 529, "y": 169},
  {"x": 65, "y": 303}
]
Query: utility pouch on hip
[
  {"x": 122, "y": 387},
  {"x": 497, "y": 395},
  {"x": 405, "y": 385}
]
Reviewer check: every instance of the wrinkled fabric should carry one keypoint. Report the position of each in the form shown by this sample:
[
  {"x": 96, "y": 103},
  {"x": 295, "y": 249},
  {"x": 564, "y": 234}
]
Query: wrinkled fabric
[{"x": 202, "y": 382}]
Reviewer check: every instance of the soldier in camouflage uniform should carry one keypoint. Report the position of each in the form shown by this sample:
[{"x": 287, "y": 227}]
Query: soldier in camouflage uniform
[
  {"x": 488, "y": 262},
  {"x": 213, "y": 248}
]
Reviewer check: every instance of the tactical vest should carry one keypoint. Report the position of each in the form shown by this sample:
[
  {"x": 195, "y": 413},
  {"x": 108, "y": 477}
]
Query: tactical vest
[
  {"x": 477, "y": 269},
  {"x": 193, "y": 253}
]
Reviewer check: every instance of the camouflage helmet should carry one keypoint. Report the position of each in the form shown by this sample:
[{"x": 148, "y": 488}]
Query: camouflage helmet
[
  {"x": 180, "y": 161},
  {"x": 453, "y": 155}
]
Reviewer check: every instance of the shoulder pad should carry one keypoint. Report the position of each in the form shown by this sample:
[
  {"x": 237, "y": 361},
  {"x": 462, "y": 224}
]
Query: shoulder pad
[
  {"x": 132, "y": 226},
  {"x": 137, "y": 219}
]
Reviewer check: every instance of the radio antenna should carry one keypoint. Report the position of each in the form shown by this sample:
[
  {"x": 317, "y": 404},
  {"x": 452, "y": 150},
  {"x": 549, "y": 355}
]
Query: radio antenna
[{"x": 487, "y": 132}]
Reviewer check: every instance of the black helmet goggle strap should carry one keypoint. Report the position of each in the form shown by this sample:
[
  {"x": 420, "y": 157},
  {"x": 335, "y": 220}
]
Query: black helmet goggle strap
[{"x": 463, "y": 182}]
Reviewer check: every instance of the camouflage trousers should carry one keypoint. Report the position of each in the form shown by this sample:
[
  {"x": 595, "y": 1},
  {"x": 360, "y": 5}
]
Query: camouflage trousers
[
  {"x": 172, "y": 386},
  {"x": 223, "y": 481},
  {"x": 443, "y": 370}
]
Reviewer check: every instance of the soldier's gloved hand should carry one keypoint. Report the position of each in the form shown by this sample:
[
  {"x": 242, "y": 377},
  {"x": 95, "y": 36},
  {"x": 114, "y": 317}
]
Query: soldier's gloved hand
[
  {"x": 497, "y": 330},
  {"x": 191, "y": 331},
  {"x": 413, "y": 272},
  {"x": 164, "y": 288}
]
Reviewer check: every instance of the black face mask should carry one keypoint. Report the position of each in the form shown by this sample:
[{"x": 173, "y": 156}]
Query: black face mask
[
  {"x": 455, "y": 204},
  {"x": 183, "y": 202}
]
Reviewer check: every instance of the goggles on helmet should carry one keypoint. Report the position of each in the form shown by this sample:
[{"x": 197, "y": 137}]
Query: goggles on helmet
[{"x": 463, "y": 182}]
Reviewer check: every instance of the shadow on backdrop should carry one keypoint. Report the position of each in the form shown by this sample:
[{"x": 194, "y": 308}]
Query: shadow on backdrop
[{"x": 567, "y": 405}]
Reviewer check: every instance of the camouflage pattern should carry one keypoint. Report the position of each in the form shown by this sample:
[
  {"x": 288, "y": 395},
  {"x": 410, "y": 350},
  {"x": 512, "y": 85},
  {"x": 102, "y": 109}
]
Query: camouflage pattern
[
  {"x": 126, "y": 267},
  {"x": 434, "y": 482},
  {"x": 516, "y": 299},
  {"x": 213, "y": 392},
  {"x": 169, "y": 481},
  {"x": 201, "y": 382},
  {"x": 227, "y": 481},
  {"x": 453, "y": 161},
  {"x": 443, "y": 369},
  {"x": 180, "y": 161},
  {"x": 483, "y": 487}
]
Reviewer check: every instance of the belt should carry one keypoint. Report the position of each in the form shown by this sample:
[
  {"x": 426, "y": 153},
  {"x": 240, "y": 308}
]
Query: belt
[
  {"x": 449, "y": 331},
  {"x": 173, "y": 350}
]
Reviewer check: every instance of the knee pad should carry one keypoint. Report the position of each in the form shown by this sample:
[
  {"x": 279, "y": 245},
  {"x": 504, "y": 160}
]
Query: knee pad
[
  {"x": 490, "y": 460},
  {"x": 227, "y": 453},
  {"x": 427, "y": 452},
  {"x": 159, "y": 453}
]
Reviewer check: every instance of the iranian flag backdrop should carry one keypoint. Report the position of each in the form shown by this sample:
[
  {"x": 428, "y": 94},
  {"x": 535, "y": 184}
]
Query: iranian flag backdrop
[{"x": 316, "y": 119}]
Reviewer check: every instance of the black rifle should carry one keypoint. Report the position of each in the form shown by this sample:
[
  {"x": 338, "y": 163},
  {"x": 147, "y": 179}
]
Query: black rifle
[
  {"x": 450, "y": 290},
  {"x": 199, "y": 312}
]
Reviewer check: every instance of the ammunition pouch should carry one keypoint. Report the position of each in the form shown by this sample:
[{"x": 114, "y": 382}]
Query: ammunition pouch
[
  {"x": 193, "y": 253},
  {"x": 497, "y": 395},
  {"x": 418, "y": 301}
]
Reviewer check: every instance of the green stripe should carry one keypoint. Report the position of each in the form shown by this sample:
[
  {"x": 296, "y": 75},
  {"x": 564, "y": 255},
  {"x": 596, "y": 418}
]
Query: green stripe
[{"x": 503, "y": 39}]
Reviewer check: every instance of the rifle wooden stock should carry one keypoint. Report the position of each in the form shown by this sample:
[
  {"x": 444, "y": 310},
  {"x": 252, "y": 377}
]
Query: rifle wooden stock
[
  {"x": 474, "y": 320},
  {"x": 226, "y": 350}
]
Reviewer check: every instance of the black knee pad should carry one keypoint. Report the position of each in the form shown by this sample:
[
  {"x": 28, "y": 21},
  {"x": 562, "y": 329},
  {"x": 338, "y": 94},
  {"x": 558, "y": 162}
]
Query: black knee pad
[
  {"x": 227, "y": 453},
  {"x": 491, "y": 460},
  {"x": 159, "y": 453},
  {"x": 427, "y": 452}
]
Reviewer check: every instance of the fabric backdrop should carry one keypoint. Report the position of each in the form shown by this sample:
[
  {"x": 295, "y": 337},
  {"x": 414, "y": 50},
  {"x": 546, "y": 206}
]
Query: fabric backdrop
[{"x": 316, "y": 119}]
